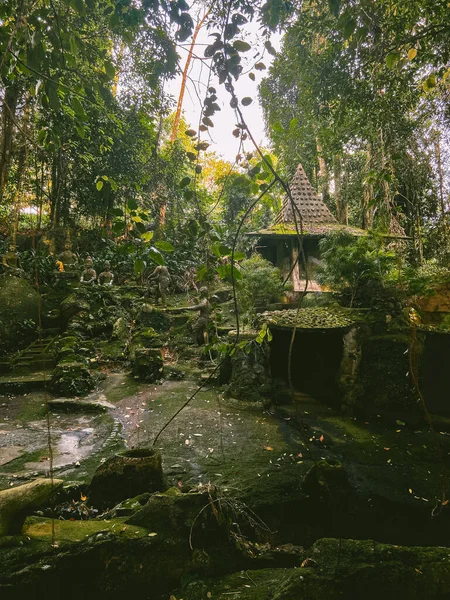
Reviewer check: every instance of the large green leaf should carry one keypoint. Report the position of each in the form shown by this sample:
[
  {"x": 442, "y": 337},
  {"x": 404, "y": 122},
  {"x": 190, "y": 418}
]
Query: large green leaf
[{"x": 164, "y": 246}]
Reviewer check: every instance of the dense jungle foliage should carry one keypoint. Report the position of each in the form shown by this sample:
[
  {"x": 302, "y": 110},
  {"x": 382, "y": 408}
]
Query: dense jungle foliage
[{"x": 91, "y": 148}]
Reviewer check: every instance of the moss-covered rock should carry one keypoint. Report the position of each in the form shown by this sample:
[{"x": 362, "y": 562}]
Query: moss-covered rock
[
  {"x": 112, "y": 559},
  {"x": 147, "y": 364},
  {"x": 72, "y": 305},
  {"x": 19, "y": 307},
  {"x": 341, "y": 569},
  {"x": 72, "y": 379},
  {"x": 149, "y": 316},
  {"x": 17, "y": 502},
  {"x": 126, "y": 475},
  {"x": 249, "y": 373}
]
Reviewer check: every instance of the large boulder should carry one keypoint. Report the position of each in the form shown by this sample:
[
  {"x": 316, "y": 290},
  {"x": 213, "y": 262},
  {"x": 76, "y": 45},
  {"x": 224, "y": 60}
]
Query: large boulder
[{"x": 19, "y": 310}]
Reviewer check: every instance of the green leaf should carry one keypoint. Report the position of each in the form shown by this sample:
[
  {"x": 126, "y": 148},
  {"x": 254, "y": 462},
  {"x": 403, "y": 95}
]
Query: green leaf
[
  {"x": 110, "y": 70},
  {"x": 429, "y": 83},
  {"x": 392, "y": 59},
  {"x": 252, "y": 76},
  {"x": 132, "y": 204},
  {"x": 190, "y": 132},
  {"x": 224, "y": 250},
  {"x": 349, "y": 27},
  {"x": 270, "y": 49},
  {"x": 73, "y": 45},
  {"x": 78, "y": 108},
  {"x": 226, "y": 271},
  {"x": 260, "y": 66},
  {"x": 164, "y": 246},
  {"x": 246, "y": 101},
  {"x": 147, "y": 236},
  {"x": 184, "y": 182},
  {"x": 241, "y": 46},
  {"x": 139, "y": 267},
  {"x": 118, "y": 227},
  {"x": 156, "y": 256},
  {"x": 202, "y": 271},
  {"x": 335, "y": 6},
  {"x": 78, "y": 5},
  {"x": 99, "y": 184},
  {"x": 293, "y": 124},
  {"x": 42, "y": 135},
  {"x": 239, "y": 255}
]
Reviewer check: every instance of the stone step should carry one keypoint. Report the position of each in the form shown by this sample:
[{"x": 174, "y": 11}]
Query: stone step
[
  {"x": 14, "y": 384},
  {"x": 34, "y": 356},
  {"x": 5, "y": 366}
]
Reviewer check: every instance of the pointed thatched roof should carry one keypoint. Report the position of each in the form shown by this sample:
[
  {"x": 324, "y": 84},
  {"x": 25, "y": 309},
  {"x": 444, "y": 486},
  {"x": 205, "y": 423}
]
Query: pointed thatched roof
[
  {"x": 311, "y": 208},
  {"x": 316, "y": 218}
]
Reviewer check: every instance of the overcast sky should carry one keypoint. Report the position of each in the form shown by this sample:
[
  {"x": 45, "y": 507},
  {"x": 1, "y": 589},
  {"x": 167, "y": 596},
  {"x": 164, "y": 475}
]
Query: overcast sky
[{"x": 223, "y": 142}]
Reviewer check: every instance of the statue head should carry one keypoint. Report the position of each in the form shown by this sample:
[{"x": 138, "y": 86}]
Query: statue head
[
  {"x": 12, "y": 247},
  {"x": 67, "y": 245},
  {"x": 107, "y": 265},
  {"x": 203, "y": 291},
  {"x": 88, "y": 262}
]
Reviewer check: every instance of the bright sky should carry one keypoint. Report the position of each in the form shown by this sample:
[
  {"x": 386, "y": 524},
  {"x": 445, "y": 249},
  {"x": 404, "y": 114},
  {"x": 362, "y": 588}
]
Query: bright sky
[{"x": 220, "y": 137}]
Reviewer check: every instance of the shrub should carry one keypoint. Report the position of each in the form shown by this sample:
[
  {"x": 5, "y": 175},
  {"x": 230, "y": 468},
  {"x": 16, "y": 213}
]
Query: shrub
[
  {"x": 261, "y": 284},
  {"x": 357, "y": 267}
]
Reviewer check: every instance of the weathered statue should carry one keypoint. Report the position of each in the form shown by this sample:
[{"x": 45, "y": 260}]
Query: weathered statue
[
  {"x": 11, "y": 263},
  {"x": 68, "y": 258},
  {"x": 89, "y": 275},
  {"x": 162, "y": 277},
  {"x": 200, "y": 327},
  {"x": 106, "y": 277}
]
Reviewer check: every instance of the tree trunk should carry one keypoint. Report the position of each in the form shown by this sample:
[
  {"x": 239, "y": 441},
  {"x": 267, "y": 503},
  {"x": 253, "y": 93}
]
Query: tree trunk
[
  {"x": 7, "y": 119},
  {"x": 323, "y": 175},
  {"x": 58, "y": 177},
  {"x": 445, "y": 232},
  {"x": 21, "y": 164},
  {"x": 366, "y": 208},
  {"x": 173, "y": 136},
  {"x": 176, "y": 122},
  {"x": 340, "y": 205}
]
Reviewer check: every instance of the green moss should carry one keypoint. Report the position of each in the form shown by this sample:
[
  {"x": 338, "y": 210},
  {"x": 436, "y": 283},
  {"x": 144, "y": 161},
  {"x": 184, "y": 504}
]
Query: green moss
[
  {"x": 314, "y": 318},
  {"x": 18, "y": 464},
  {"x": 128, "y": 387},
  {"x": 76, "y": 531},
  {"x": 340, "y": 569}
]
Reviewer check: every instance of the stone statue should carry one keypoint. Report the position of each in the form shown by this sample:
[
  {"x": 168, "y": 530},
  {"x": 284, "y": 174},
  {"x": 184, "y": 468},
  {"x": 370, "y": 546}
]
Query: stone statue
[
  {"x": 200, "y": 326},
  {"x": 107, "y": 277},
  {"x": 68, "y": 258},
  {"x": 89, "y": 275},
  {"x": 162, "y": 277},
  {"x": 11, "y": 263}
]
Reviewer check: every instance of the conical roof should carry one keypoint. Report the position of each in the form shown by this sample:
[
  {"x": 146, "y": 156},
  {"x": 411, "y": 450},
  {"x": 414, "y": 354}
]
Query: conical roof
[{"x": 312, "y": 209}]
